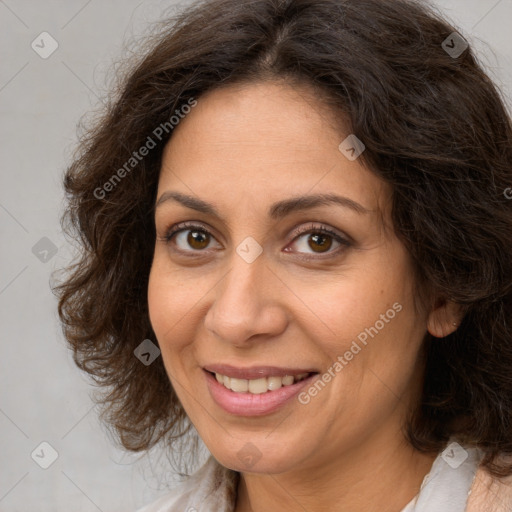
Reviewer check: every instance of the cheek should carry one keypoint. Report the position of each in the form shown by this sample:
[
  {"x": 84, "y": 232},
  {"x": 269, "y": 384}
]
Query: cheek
[
  {"x": 170, "y": 300},
  {"x": 348, "y": 304},
  {"x": 160, "y": 302},
  {"x": 366, "y": 316}
]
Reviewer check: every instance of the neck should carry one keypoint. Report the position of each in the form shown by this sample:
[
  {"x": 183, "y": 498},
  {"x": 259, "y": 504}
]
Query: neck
[{"x": 373, "y": 477}]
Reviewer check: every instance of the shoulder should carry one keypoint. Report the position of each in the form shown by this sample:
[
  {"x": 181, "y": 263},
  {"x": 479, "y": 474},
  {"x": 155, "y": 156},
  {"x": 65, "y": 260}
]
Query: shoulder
[
  {"x": 490, "y": 494},
  {"x": 211, "y": 488}
]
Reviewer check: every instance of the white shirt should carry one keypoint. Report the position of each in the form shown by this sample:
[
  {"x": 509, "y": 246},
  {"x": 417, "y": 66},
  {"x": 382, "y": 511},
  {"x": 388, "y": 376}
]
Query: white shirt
[{"x": 445, "y": 488}]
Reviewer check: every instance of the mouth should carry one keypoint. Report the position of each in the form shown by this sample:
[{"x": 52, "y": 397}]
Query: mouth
[
  {"x": 259, "y": 385},
  {"x": 255, "y": 391}
]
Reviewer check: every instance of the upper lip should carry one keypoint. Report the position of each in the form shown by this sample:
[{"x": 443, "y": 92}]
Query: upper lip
[{"x": 255, "y": 372}]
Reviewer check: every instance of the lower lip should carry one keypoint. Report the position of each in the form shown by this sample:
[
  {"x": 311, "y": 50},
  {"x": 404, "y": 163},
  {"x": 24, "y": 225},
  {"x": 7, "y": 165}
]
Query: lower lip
[{"x": 249, "y": 404}]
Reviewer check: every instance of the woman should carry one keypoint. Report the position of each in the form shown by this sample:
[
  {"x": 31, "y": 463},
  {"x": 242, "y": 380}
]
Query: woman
[{"x": 297, "y": 240}]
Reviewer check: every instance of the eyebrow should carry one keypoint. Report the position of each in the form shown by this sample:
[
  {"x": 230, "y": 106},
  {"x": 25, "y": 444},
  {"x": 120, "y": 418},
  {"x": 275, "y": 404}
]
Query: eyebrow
[{"x": 276, "y": 211}]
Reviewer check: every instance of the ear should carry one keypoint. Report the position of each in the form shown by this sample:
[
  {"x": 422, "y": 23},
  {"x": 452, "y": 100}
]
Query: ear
[{"x": 444, "y": 318}]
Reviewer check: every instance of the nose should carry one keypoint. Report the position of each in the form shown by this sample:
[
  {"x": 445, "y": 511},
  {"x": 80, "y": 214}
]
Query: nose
[{"x": 248, "y": 304}]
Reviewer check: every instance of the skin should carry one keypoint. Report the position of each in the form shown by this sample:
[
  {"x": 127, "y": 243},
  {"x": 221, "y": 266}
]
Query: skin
[{"x": 242, "y": 148}]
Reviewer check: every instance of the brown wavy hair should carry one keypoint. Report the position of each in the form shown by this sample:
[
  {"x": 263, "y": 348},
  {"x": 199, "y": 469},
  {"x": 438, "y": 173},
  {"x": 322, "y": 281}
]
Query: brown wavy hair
[{"x": 435, "y": 128}]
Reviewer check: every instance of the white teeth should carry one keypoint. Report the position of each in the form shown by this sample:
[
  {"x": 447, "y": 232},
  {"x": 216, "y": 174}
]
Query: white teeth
[
  {"x": 258, "y": 386},
  {"x": 239, "y": 385},
  {"x": 274, "y": 383},
  {"x": 287, "y": 380}
]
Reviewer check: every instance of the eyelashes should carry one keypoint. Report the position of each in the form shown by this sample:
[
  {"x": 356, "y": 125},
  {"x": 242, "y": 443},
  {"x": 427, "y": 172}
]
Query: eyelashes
[
  {"x": 324, "y": 232},
  {"x": 321, "y": 236}
]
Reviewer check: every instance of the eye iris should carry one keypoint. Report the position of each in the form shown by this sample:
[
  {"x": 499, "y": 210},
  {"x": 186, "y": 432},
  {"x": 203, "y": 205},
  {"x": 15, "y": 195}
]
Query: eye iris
[
  {"x": 325, "y": 243},
  {"x": 197, "y": 239}
]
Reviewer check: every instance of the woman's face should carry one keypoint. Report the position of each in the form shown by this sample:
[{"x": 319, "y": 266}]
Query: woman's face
[{"x": 243, "y": 292}]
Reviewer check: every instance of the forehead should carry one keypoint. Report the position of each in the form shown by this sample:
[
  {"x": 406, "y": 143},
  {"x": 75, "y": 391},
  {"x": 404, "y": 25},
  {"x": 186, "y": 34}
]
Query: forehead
[{"x": 264, "y": 141}]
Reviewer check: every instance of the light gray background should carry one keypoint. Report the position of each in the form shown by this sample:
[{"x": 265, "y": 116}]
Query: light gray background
[{"x": 43, "y": 395}]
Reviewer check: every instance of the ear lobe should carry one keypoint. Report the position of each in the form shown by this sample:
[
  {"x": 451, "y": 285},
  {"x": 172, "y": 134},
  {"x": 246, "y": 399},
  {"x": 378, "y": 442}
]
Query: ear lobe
[{"x": 444, "y": 319}]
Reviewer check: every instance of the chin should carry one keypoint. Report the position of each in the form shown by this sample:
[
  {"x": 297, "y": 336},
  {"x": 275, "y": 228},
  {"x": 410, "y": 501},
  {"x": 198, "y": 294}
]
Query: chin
[{"x": 253, "y": 456}]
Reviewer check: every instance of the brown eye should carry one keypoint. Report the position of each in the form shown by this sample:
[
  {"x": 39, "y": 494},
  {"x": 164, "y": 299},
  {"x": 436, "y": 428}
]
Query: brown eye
[
  {"x": 320, "y": 242},
  {"x": 189, "y": 238},
  {"x": 198, "y": 239}
]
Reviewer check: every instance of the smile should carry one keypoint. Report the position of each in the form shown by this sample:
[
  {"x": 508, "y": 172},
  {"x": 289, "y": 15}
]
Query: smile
[
  {"x": 256, "y": 391},
  {"x": 258, "y": 386}
]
